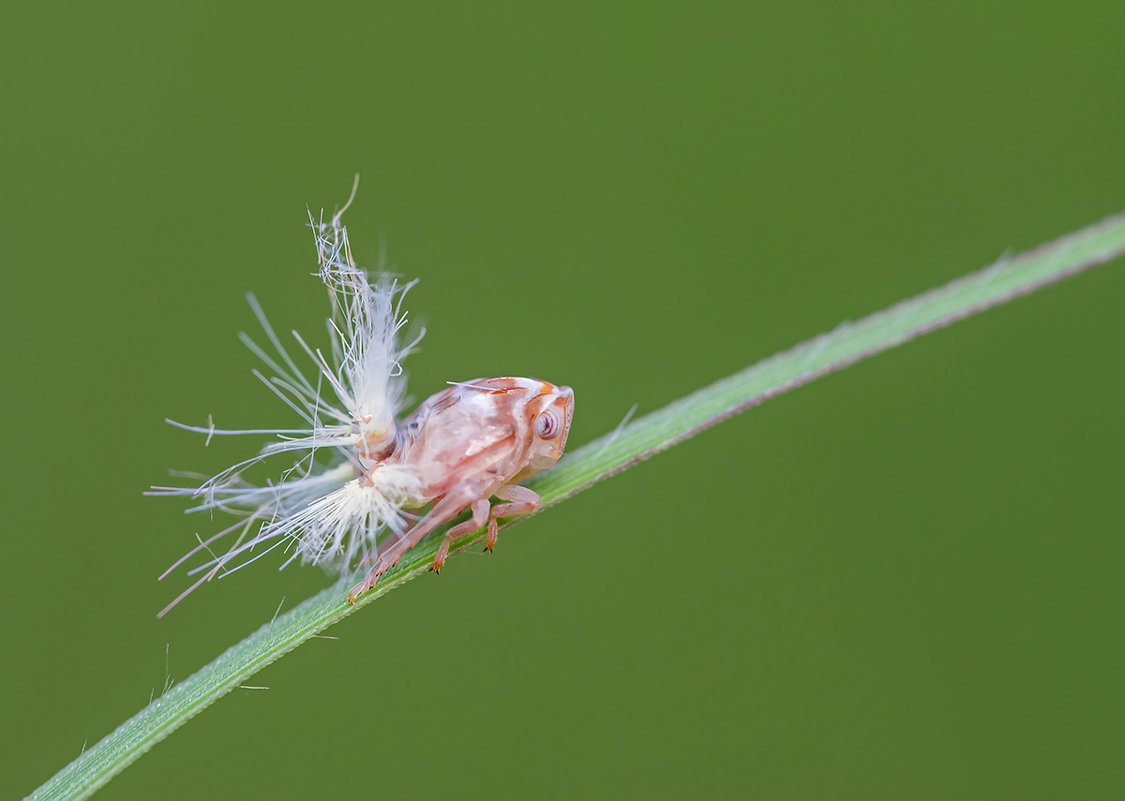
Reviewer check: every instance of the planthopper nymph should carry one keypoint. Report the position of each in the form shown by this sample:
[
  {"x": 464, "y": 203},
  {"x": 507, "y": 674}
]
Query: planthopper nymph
[
  {"x": 362, "y": 483},
  {"x": 467, "y": 443}
]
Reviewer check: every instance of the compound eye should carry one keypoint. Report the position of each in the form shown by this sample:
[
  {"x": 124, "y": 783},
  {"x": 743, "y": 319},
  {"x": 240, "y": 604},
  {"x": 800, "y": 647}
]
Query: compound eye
[{"x": 547, "y": 425}]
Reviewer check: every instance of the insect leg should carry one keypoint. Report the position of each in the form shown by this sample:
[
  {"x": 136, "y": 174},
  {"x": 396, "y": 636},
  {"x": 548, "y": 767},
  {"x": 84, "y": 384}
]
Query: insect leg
[
  {"x": 523, "y": 501},
  {"x": 479, "y": 518},
  {"x": 454, "y": 502}
]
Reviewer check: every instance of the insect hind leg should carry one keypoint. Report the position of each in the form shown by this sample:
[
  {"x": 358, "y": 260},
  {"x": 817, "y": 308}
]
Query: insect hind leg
[{"x": 445, "y": 509}]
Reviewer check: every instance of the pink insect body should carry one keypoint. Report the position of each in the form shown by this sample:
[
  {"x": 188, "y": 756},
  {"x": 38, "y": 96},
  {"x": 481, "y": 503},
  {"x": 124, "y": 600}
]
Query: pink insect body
[{"x": 470, "y": 442}]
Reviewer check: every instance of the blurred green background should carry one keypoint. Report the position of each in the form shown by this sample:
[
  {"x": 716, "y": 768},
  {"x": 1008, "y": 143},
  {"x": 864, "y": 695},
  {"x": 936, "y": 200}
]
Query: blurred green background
[{"x": 903, "y": 581}]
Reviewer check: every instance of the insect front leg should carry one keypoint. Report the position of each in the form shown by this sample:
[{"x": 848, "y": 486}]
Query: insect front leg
[{"x": 523, "y": 502}]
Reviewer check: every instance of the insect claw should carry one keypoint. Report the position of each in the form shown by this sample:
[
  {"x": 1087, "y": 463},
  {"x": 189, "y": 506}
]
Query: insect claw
[{"x": 356, "y": 592}]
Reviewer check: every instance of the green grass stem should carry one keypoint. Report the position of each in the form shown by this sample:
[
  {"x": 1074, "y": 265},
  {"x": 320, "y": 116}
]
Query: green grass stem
[{"x": 595, "y": 461}]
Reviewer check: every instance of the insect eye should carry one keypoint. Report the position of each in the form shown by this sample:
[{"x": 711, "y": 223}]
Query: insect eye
[{"x": 547, "y": 425}]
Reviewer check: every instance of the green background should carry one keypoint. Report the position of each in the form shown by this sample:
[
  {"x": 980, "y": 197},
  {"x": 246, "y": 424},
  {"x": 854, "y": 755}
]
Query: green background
[{"x": 903, "y": 581}]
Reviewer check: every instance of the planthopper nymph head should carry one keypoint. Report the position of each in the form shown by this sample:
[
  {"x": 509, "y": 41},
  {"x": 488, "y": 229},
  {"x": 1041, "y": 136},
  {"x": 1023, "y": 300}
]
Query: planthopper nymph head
[{"x": 551, "y": 413}]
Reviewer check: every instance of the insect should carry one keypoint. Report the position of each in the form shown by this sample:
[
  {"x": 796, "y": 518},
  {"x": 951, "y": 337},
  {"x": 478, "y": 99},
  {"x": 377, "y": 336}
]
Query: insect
[
  {"x": 365, "y": 485},
  {"x": 467, "y": 443}
]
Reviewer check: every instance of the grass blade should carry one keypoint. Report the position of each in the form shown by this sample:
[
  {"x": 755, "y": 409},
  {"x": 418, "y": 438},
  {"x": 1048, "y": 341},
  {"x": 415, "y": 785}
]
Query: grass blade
[{"x": 597, "y": 460}]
